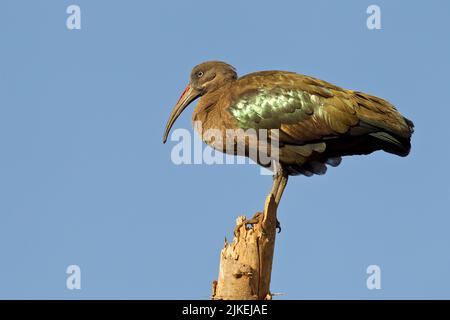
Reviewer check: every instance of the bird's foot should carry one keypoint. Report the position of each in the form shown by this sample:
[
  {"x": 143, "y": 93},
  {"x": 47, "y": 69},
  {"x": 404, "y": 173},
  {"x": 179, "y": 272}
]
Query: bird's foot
[{"x": 254, "y": 220}]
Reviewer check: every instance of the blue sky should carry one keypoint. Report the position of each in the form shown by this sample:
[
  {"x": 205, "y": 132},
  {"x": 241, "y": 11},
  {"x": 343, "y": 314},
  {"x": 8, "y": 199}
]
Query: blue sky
[{"x": 85, "y": 179}]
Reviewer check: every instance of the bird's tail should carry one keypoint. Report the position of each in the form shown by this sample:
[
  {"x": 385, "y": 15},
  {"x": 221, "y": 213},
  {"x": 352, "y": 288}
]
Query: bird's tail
[{"x": 394, "y": 143}]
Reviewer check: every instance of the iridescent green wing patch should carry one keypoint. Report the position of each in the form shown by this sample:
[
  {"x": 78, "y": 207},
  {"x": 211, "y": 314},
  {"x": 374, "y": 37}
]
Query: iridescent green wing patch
[{"x": 270, "y": 109}]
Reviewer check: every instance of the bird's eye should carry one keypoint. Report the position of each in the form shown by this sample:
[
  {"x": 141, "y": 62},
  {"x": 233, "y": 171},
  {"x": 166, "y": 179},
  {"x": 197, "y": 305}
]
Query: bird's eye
[{"x": 199, "y": 74}]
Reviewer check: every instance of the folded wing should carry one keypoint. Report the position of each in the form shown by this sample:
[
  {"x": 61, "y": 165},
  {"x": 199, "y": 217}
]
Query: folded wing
[{"x": 318, "y": 122}]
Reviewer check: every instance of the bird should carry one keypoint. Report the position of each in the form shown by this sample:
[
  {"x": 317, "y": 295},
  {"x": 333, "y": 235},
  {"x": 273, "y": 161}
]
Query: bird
[{"x": 315, "y": 123}]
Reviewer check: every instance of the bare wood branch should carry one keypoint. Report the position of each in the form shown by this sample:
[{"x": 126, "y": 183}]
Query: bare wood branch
[{"x": 246, "y": 263}]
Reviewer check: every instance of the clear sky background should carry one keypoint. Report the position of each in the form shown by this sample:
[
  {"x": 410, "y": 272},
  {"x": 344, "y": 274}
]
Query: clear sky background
[{"x": 85, "y": 179}]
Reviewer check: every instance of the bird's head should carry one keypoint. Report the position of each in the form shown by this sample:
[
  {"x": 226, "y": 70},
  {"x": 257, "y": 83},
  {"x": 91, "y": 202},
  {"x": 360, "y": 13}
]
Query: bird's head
[{"x": 205, "y": 77}]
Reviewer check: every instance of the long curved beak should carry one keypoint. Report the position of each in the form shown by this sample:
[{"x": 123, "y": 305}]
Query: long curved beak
[{"x": 189, "y": 94}]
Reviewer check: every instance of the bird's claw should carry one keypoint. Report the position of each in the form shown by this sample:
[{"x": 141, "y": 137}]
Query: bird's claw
[{"x": 254, "y": 220}]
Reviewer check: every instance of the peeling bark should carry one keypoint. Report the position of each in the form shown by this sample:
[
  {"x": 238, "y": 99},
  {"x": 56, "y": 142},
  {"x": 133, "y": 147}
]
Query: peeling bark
[{"x": 246, "y": 263}]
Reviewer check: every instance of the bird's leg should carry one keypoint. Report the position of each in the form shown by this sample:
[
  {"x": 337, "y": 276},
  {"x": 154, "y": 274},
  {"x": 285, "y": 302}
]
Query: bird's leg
[
  {"x": 280, "y": 179},
  {"x": 275, "y": 185},
  {"x": 274, "y": 192},
  {"x": 281, "y": 185}
]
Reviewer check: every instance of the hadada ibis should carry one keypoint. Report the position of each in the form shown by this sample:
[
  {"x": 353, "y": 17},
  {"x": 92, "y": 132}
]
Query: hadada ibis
[{"x": 317, "y": 122}]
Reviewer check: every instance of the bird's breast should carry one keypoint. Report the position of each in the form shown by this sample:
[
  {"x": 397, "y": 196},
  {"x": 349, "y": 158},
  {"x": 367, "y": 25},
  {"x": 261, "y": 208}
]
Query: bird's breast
[{"x": 212, "y": 126}]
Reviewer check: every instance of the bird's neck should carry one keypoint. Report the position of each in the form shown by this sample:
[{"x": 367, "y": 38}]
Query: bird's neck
[
  {"x": 210, "y": 112},
  {"x": 209, "y": 102}
]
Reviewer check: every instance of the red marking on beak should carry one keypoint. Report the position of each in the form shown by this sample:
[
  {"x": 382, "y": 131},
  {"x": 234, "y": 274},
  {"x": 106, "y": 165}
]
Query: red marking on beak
[{"x": 184, "y": 92}]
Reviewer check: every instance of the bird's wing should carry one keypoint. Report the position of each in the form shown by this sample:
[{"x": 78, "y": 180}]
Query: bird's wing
[{"x": 306, "y": 109}]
